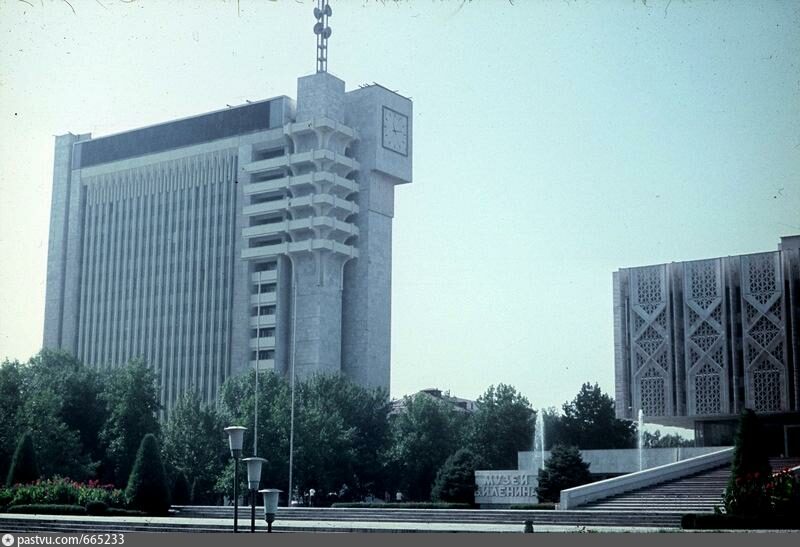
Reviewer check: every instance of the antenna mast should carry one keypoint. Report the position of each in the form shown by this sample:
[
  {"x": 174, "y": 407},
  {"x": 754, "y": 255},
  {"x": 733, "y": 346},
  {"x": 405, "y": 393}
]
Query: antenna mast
[{"x": 323, "y": 32}]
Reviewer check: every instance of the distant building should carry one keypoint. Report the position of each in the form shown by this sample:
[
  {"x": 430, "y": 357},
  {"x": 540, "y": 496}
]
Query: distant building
[
  {"x": 456, "y": 403},
  {"x": 696, "y": 342},
  {"x": 255, "y": 236}
]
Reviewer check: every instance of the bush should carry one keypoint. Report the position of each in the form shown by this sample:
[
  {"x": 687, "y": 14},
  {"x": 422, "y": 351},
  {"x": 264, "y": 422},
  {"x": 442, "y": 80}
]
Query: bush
[
  {"x": 455, "y": 481},
  {"x": 60, "y": 491},
  {"x": 709, "y": 521},
  {"x": 23, "y": 468},
  {"x": 96, "y": 508},
  {"x": 47, "y": 509},
  {"x": 564, "y": 469},
  {"x": 147, "y": 486},
  {"x": 403, "y": 505},
  {"x": 746, "y": 493},
  {"x": 534, "y": 506},
  {"x": 6, "y": 497},
  {"x": 180, "y": 491}
]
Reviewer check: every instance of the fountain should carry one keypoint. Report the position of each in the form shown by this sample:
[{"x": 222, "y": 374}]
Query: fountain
[
  {"x": 640, "y": 440},
  {"x": 538, "y": 437}
]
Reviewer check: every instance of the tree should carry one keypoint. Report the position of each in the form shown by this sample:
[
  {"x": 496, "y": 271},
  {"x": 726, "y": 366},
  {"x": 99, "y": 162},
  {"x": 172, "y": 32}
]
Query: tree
[
  {"x": 180, "y": 490},
  {"x": 23, "y": 468},
  {"x": 746, "y": 491},
  {"x": 563, "y": 469},
  {"x": 11, "y": 397},
  {"x": 502, "y": 426},
  {"x": 589, "y": 422},
  {"x": 147, "y": 486},
  {"x": 424, "y": 434},
  {"x": 455, "y": 480},
  {"x": 194, "y": 443},
  {"x": 670, "y": 440},
  {"x": 132, "y": 402}
]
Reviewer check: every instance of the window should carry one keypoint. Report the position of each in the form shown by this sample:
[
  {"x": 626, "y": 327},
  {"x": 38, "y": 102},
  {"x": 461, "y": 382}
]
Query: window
[
  {"x": 266, "y": 310},
  {"x": 267, "y": 288},
  {"x": 266, "y": 333},
  {"x": 266, "y": 354}
]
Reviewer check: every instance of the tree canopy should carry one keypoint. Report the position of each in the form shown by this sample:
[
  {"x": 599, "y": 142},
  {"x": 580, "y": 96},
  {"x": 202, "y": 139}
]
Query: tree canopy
[
  {"x": 502, "y": 426},
  {"x": 589, "y": 422}
]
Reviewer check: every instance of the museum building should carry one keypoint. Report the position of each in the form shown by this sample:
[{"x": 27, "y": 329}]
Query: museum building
[
  {"x": 258, "y": 236},
  {"x": 696, "y": 342}
]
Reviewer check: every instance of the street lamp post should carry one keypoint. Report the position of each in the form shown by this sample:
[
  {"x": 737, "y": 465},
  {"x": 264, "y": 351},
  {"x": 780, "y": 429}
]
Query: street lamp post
[
  {"x": 253, "y": 480},
  {"x": 270, "y": 505},
  {"x": 235, "y": 439}
]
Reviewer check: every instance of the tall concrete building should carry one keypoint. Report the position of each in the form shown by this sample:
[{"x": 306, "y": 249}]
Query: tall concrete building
[
  {"x": 255, "y": 236},
  {"x": 696, "y": 342}
]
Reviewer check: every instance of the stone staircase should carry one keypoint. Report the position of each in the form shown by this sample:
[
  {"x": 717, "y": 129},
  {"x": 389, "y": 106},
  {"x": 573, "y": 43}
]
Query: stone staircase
[
  {"x": 698, "y": 493},
  {"x": 486, "y": 516}
]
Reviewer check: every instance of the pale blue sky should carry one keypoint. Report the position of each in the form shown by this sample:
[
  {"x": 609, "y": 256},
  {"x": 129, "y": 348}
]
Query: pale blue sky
[{"x": 555, "y": 141}]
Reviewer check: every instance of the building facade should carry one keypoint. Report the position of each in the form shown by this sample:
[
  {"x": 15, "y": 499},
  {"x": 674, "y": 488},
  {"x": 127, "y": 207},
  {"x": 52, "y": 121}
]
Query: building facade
[
  {"x": 256, "y": 236},
  {"x": 696, "y": 342}
]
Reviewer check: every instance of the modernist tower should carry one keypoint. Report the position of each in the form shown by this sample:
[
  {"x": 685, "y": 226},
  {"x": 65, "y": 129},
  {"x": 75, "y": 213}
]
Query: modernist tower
[
  {"x": 696, "y": 342},
  {"x": 256, "y": 236}
]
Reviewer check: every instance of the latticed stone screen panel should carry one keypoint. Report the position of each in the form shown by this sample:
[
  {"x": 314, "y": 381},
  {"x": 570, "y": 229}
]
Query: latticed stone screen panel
[
  {"x": 651, "y": 352},
  {"x": 652, "y": 395},
  {"x": 764, "y": 332},
  {"x": 705, "y": 338}
]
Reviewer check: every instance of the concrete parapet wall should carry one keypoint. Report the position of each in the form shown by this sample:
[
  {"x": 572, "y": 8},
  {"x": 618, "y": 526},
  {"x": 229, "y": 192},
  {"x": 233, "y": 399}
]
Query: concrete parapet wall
[{"x": 581, "y": 495}]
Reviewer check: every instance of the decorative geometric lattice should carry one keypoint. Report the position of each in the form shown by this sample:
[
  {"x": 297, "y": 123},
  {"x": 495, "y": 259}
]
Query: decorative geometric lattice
[
  {"x": 704, "y": 336},
  {"x": 661, "y": 320},
  {"x": 707, "y": 391},
  {"x": 703, "y": 282},
  {"x": 719, "y": 357},
  {"x": 653, "y": 399},
  {"x": 761, "y": 277},
  {"x": 766, "y": 387},
  {"x": 777, "y": 352},
  {"x": 764, "y": 331},
  {"x": 662, "y": 361},
  {"x": 650, "y": 340},
  {"x": 649, "y": 289},
  {"x": 716, "y": 315}
]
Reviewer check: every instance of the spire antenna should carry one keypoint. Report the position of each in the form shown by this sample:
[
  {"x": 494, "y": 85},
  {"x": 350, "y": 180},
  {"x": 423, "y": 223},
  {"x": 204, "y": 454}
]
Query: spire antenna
[{"x": 323, "y": 32}]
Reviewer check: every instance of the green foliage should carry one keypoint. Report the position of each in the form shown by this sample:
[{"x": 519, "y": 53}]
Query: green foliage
[
  {"x": 589, "y": 423},
  {"x": 180, "y": 491},
  {"x": 455, "y": 481},
  {"x": 502, "y": 426},
  {"x": 11, "y": 397},
  {"x": 424, "y": 435},
  {"x": 670, "y": 440},
  {"x": 59, "y": 490},
  {"x": 194, "y": 443},
  {"x": 341, "y": 432},
  {"x": 147, "y": 487},
  {"x": 48, "y": 509},
  {"x": 132, "y": 402},
  {"x": 23, "y": 468},
  {"x": 563, "y": 469},
  {"x": 746, "y": 493}
]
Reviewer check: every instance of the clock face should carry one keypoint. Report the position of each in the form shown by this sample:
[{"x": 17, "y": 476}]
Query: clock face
[{"x": 395, "y": 131}]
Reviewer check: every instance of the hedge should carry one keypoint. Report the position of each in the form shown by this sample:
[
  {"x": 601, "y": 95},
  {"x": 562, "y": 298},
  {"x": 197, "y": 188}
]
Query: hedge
[
  {"x": 404, "y": 505},
  {"x": 47, "y": 509},
  {"x": 713, "y": 521},
  {"x": 534, "y": 506}
]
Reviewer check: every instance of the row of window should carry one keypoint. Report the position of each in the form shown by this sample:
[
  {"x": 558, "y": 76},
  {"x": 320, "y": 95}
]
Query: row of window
[
  {"x": 262, "y": 310},
  {"x": 263, "y": 332},
  {"x": 264, "y": 288},
  {"x": 262, "y": 354}
]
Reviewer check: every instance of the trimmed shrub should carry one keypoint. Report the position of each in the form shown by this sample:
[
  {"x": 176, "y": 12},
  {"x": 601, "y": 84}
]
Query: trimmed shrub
[
  {"x": 96, "y": 508},
  {"x": 746, "y": 493},
  {"x": 709, "y": 521},
  {"x": 60, "y": 491},
  {"x": 147, "y": 486},
  {"x": 403, "y": 505},
  {"x": 564, "y": 469},
  {"x": 455, "y": 481},
  {"x": 23, "y": 468},
  {"x": 43, "y": 509},
  {"x": 180, "y": 491}
]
